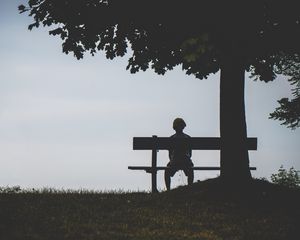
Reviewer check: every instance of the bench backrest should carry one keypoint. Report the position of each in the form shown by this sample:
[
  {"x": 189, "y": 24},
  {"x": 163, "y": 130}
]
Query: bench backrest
[{"x": 195, "y": 143}]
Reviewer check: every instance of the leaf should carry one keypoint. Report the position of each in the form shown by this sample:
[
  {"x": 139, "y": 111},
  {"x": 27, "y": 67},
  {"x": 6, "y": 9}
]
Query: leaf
[
  {"x": 31, "y": 26},
  {"x": 22, "y": 8},
  {"x": 56, "y": 31}
]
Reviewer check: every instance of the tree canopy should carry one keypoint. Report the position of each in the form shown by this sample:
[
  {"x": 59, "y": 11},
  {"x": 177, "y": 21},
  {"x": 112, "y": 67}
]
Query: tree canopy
[{"x": 163, "y": 34}]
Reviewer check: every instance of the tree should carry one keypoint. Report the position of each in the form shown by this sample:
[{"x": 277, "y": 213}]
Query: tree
[
  {"x": 289, "y": 110},
  {"x": 290, "y": 178},
  {"x": 201, "y": 36}
]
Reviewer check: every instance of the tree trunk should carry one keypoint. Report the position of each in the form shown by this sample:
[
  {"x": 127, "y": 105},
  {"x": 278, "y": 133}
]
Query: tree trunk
[{"x": 233, "y": 130}]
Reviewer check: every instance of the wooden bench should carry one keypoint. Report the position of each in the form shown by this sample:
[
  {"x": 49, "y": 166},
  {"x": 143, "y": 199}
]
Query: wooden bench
[{"x": 155, "y": 143}]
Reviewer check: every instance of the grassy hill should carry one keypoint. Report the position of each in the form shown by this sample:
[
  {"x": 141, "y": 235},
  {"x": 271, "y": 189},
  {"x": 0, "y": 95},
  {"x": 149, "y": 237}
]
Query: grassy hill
[{"x": 206, "y": 210}]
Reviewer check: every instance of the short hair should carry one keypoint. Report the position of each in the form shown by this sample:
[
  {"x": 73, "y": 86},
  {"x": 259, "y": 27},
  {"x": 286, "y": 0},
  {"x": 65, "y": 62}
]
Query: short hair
[{"x": 179, "y": 123}]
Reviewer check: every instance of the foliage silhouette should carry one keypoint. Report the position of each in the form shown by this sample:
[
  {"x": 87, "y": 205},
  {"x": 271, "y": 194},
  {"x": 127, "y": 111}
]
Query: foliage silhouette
[
  {"x": 286, "y": 178},
  {"x": 289, "y": 110},
  {"x": 201, "y": 36}
]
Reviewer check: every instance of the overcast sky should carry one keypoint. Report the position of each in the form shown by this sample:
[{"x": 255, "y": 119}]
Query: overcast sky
[{"x": 69, "y": 124}]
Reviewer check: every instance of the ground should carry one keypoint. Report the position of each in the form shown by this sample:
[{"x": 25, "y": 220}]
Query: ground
[{"x": 207, "y": 210}]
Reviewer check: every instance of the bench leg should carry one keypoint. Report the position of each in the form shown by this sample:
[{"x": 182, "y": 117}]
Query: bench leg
[
  {"x": 154, "y": 181},
  {"x": 154, "y": 171}
]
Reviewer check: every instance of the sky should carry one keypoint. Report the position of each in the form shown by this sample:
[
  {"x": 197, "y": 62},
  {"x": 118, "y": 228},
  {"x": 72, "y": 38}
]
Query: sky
[{"x": 69, "y": 124}]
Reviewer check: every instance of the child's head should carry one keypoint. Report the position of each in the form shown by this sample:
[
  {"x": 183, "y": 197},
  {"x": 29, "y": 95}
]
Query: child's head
[{"x": 178, "y": 124}]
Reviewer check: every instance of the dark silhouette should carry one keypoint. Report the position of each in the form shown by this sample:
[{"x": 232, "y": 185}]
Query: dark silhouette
[
  {"x": 211, "y": 35},
  {"x": 180, "y": 157},
  {"x": 289, "y": 110}
]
